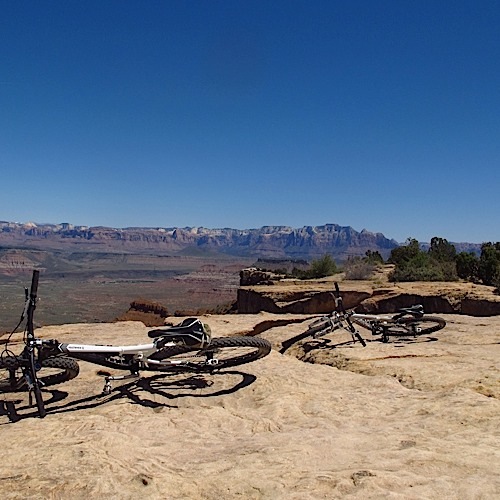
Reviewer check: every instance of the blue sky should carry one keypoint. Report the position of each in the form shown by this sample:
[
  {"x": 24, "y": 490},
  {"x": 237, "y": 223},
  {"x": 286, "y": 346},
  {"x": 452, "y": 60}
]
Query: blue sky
[{"x": 375, "y": 114}]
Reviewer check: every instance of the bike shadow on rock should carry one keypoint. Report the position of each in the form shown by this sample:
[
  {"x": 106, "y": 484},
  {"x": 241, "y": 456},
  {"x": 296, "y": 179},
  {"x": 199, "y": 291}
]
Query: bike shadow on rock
[
  {"x": 404, "y": 341},
  {"x": 313, "y": 343},
  {"x": 325, "y": 343},
  {"x": 143, "y": 391}
]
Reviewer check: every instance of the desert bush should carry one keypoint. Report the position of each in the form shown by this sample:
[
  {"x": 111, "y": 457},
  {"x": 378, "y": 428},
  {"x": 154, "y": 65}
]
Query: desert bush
[
  {"x": 357, "y": 268},
  {"x": 319, "y": 268},
  {"x": 414, "y": 264},
  {"x": 418, "y": 268},
  {"x": 322, "y": 267}
]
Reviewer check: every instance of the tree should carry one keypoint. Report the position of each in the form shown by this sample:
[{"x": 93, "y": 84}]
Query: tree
[
  {"x": 489, "y": 264},
  {"x": 441, "y": 250},
  {"x": 414, "y": 264},
  {"x": 374, "y": 257},
  {"x": 404, "y": 253},
  {"x": 467, "y": 266}
]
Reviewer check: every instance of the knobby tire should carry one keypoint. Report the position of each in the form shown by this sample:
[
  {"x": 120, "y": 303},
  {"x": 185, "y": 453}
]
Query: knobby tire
[
  {"x": 68, "y": 369},
  {"x": 416, "y": 326},
  {"x": 229, "y": 351}
]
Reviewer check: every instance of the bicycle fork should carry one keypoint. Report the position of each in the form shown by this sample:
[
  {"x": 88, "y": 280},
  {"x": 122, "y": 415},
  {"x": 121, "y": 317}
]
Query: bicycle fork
[{"x": 29, "y": 370}]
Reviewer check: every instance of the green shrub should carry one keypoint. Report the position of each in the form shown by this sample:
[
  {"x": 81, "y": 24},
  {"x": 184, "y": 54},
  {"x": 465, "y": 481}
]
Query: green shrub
[
  {"x": 467, "y": 266},
  {"x": 322, "y": 267},
  {"x": 489, "y": 264},
  {"x": 441, "y": 250},
  {"x": 414, "y": 264},
  {"x": 374, "y": 257},
  {"x": 319, "y": 268},
  {"x": 401, "y": 255}
]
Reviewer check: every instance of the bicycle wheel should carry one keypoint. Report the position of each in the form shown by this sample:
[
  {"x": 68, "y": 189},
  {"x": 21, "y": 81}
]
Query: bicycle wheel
[
  {"x": 415, "y": 326},
  {"x": 53, "y": 371},
  {"x": 222, "y": 352}
]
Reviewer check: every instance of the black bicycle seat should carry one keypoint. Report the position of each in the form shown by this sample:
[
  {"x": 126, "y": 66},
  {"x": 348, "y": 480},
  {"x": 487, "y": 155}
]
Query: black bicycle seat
[
  {"x": 188, "y": 326},
  {"x": 416, "y": 310},
  {"x": 191, "y": 332}
]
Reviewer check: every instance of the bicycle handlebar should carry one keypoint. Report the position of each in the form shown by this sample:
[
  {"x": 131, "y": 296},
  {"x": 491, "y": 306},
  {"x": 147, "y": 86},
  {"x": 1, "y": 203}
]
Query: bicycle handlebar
[
  {"x": 34, "y": 284},
  {"x": 346, "y": 315},
  {"x": 32, "y": 304}
]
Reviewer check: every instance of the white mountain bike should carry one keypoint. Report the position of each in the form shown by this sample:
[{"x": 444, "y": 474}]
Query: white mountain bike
[
  {"x": 187, "y": 347},
  {"x": 408, "y": 322}
]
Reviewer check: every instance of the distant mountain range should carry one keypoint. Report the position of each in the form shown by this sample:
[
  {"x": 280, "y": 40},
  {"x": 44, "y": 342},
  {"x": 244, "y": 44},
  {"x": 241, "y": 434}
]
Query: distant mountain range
[{"x": 268, "y": 241}]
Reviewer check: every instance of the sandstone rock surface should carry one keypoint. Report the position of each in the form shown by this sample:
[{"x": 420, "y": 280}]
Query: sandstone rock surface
[
  {"x": 315, "y": 296},
  {"x": 315, "y": 419}
]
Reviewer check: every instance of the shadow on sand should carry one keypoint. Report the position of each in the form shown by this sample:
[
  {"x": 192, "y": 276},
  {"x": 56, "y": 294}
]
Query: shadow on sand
[{"x": 143, "y": 391}]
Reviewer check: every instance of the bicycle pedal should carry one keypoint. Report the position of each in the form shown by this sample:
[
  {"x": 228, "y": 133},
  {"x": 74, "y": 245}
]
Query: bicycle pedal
[{"x": 107, "y": 388}]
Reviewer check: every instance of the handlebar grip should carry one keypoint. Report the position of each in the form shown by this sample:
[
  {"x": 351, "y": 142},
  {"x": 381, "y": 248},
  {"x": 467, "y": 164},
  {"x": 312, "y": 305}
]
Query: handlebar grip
[
  {"x": 361, "y": 339},
  {"x": 34, "y": 283}
]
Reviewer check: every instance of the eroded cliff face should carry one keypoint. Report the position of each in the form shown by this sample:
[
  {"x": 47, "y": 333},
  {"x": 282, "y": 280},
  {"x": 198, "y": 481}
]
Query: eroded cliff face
[
  {"x": 267, "y": 241},
  {"x": 317, "y": 298}
]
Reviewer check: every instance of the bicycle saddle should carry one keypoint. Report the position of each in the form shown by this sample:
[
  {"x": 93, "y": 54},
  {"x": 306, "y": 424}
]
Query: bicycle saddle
[
  {"x": 417, "y": 310},
  {"x": 190, "y": 332}
]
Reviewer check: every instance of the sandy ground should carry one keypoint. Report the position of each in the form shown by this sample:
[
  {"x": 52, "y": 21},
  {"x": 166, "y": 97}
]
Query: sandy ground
[{"x": 316, "y": 419}]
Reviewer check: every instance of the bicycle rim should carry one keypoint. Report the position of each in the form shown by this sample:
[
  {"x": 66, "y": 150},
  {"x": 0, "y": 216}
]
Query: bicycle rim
[
  {"x": 223, "y": 352},
  {"x": 415, "y": 327}
]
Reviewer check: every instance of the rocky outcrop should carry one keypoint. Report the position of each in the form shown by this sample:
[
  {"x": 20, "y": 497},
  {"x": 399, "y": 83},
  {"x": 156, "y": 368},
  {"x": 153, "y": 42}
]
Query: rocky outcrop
[
  {"x": 315, "y": 298},
  {"x": 250, "y": 301},
  {"x": 150, "y": 313},
  {"x": 479, "y": 307},
  {"x": 254, "y": 276}
]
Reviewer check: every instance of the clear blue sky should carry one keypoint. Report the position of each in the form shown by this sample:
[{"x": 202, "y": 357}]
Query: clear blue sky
[{"x": 375, "y": 114}]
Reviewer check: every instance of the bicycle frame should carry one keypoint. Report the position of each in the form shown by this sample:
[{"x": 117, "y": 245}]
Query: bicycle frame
[
  {"x": 140, "y": 349},
  {"x": 139, "y": 353},
  {"x": 368, "y": 320},
  {"x": 133, "y": 358}
]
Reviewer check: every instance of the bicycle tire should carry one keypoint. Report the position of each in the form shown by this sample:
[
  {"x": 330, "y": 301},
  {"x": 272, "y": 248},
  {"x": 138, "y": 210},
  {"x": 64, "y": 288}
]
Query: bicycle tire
[
  {"x": 228, "y": 351},
  {"x": 68, "y": 369},
  {"x": 414, "y": 327}
]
